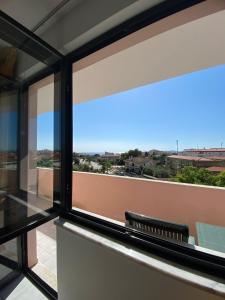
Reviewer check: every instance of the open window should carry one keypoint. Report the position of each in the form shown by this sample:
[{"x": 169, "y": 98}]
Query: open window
[
  {"x": 24, "y": 103},
  {"x": 148, "y": 128}
]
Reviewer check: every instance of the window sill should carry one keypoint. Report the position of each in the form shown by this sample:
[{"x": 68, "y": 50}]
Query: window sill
[{"x": 184, "y": 274}]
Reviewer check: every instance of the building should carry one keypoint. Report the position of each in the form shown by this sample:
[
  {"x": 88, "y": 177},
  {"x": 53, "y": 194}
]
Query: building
[
  {"x": 109, "y": 156},
  {"x": 180, "y": 161},
  {"x": 204, "y": 152},
  {"x": 137, "y": 164}
]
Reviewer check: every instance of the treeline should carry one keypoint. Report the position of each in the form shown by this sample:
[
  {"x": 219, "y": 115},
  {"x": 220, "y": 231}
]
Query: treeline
[{"x": 200, "y": 176}]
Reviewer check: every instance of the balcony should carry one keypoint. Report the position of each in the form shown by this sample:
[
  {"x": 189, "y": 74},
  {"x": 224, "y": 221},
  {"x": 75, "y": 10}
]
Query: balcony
[{"x": 110, "y": 196}]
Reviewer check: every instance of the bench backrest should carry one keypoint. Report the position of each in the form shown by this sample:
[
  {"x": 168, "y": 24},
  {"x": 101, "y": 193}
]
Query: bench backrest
[{"x": 152, "y": 226}]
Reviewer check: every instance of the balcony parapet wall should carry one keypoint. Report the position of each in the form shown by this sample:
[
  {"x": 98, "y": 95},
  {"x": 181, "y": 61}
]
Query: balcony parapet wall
[{"x": 110, "y": 196}]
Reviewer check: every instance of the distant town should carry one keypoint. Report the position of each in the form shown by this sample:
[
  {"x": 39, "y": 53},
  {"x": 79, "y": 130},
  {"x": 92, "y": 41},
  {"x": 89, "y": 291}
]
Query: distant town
[{"x": 197, "y": 166}]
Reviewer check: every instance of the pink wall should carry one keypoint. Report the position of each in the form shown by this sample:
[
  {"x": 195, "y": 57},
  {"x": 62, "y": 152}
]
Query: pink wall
[
  {"x": 45, "y": 183},
  {"x": 110, "y": 196},
  {"x": 32, "y": 248}
]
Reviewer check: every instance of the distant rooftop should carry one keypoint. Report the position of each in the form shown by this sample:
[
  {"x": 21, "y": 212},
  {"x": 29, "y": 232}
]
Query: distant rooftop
[
  {"x": 195, "y": 158},
  {"x": 205, "y": 150},
  {"x": 216, "y": 169}
]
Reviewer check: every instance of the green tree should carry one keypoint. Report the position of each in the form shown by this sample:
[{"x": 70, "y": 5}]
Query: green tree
[
  {"x": 86, "y": 168},
  {"x": 133, "y": 153},
  {"x": 195, "y": 175},
  {"x": 161, "y": 172},
  {"x": 83, "y": 168},
  {"x": 76, "y": 160},
  {"x": 220, "y": 179},
  {"x": 45, "y": 163},
  {"x": 148, "y": 171},
  {"x": 106, "y": 166}
]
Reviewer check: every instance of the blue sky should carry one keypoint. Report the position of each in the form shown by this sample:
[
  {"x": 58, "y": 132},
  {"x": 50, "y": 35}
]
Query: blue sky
[
  {"x": 8, "y": 127},
  {"x": 189, "y": 108}
]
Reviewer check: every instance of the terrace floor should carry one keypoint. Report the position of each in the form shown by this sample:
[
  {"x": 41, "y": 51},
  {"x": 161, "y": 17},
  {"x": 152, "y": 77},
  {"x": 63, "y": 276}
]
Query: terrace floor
[
  {"x": 21, "y": 288},
  {"x": 46, "y": 267}
]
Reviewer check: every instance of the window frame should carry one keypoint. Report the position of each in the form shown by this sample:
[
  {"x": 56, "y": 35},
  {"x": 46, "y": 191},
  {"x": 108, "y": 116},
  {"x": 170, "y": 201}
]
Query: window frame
[
  {"x": 180, "y": 253},
  {"x": 20, "y": 37}
]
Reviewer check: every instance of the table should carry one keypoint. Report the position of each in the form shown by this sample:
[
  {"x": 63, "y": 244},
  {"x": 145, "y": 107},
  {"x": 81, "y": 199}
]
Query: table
[{"x": 211, "y": 236}]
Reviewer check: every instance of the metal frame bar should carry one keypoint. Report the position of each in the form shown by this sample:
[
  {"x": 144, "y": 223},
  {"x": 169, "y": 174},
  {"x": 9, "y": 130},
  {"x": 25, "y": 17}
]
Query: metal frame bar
[
  {"x": 40, "y": 284},
  {"x": 136, "y": 23},
  {"x": 14, "y": 266},
  {"x": 20, "y": 37},
  {"x": 67, "y": 135},
  {"x": 24, "y": 39},
  {"x": 8, "y": 263},
  {"x": 32, "y": 222}
]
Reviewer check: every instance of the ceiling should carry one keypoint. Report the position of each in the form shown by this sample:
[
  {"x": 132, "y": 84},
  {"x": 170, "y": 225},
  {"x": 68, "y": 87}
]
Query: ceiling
[
  {"x": 67, "y": 24},
  {"x": 28, "y": 12},
  {"x": 189, "y": 41}
]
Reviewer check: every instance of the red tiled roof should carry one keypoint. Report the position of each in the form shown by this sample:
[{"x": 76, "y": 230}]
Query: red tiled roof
[
  {"x": 197, "y": 158},
  {"x": 191, "y": 158},
  {"x": 217, "y": 157},
  {"x": 216, "y": 169}
]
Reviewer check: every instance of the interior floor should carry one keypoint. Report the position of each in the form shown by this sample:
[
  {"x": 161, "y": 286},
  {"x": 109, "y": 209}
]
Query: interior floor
[{"x": 21, "y": 288}]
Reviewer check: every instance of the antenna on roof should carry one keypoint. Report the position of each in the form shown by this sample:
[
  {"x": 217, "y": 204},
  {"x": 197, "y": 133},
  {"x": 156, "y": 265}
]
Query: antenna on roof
[
  {"x": 177, "y": 146},
  {"x": 221, "y": 144}
]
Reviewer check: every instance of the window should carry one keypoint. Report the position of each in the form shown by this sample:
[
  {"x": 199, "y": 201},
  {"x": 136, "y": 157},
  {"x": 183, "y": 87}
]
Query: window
[
  {"x": 148, "y": 128},
  {"x": 27, "y": 94},
  {"x": 40, "y": 158}
]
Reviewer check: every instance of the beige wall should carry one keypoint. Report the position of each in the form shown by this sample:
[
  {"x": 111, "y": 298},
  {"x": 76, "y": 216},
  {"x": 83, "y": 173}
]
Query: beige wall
[{"x": 110, "y": 196}]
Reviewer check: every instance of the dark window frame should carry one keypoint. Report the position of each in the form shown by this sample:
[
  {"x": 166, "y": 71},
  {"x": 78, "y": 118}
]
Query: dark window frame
[
  {"x": 21, "y": 38},
  {"x": 180, "y": 253}
]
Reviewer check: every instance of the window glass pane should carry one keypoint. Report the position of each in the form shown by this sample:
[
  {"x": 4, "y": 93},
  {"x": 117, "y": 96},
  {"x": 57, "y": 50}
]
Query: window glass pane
[
  {"x": 9, "y": 170},
  {"x": 29, "y": 127},
  {"x": 39, "y": 159},
  {"x": 8, "y": 258},
  {"x": 10, "y": 250},
  {"x": 149, "y": 131}
]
